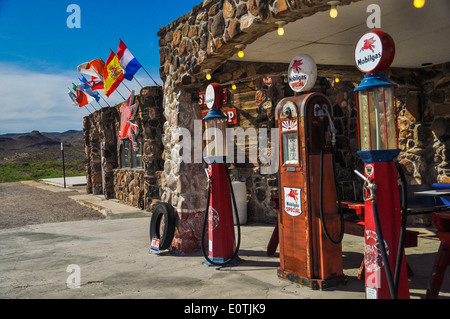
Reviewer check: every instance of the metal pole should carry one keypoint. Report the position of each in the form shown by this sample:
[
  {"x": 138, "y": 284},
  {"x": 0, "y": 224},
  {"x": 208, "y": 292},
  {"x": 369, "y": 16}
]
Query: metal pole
[{"x": 64, "y": 167}]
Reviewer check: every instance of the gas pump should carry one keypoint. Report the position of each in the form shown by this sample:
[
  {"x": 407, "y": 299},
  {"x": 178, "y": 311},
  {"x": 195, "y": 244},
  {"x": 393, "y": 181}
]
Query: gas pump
[
  {"x": 218, "y": 216},
  {"x": 378, "y": 142},
  {"x": 310, "y": 229}
]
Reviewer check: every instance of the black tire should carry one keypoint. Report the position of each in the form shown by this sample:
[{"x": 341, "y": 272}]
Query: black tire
[{"x": 166, "y": 211}]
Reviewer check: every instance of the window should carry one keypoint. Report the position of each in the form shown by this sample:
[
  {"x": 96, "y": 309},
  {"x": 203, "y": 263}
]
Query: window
[{"x": 129, "y": 158}]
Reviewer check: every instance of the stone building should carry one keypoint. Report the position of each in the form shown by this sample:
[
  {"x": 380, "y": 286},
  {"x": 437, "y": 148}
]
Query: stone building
[{"x": 206, "y": 41}]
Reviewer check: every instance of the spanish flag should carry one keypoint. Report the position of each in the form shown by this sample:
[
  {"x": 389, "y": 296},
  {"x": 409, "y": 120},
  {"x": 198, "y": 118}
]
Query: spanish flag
[{"x": 112, "y": 74}]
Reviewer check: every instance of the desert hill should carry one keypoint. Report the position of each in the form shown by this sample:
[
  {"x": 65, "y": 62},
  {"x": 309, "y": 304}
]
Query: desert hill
[{"x": 37, "y": 147}]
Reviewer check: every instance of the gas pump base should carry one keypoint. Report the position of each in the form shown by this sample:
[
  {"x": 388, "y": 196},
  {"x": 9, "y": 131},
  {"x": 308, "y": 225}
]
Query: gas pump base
[
  {"x": 236, "y": 261},
  {"x": 315, "y": 284}
]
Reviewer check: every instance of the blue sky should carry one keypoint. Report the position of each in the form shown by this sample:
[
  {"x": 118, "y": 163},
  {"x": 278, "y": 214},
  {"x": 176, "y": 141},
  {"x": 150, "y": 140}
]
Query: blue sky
[{"x": 39, "y": 55}]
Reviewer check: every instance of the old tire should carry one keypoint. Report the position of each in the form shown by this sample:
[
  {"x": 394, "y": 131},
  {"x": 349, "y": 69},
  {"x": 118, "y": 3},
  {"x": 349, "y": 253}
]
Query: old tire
[{"x": 162, "y": 225}]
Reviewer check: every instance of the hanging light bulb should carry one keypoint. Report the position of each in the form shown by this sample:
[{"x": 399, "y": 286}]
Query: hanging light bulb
[
  {"x": 233, "y": 87},
  {"x": 419, "y": 3},
  {"x": 207, "y": 74},
  {"x": 333, "y": 10},
  {"x": 336, "y": 79},
  {"x": 280, "y": 27},
  {"x": 240, "y": 48}
]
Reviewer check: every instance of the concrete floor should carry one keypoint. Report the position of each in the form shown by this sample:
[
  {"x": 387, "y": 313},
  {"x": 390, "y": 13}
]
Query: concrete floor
[{"x": 114, "y": 261}]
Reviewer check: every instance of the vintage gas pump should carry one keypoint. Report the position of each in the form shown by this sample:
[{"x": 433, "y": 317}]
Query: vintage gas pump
[
  {"x": 310, "y": 229},
  {"x": 221, "y": 239},
  {"x": 378, "y": 141}
]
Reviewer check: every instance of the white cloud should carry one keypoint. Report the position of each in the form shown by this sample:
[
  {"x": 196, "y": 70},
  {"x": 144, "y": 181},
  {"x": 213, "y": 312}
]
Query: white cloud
[{"x": 31, "y": 100}]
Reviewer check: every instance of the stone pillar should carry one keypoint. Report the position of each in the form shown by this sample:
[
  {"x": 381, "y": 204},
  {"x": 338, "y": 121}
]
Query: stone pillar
[
  {"x": 183, "y": 183},
  {"x": 151, "y": 106},
  {"x": 107, "y": 125},
  {"x": 87, "y": 153}
]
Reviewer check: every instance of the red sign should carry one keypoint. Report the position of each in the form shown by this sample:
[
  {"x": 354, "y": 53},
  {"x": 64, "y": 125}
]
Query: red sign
[
  {"x": 202, "y": 99},
  {"x": 231, "y": 114}
]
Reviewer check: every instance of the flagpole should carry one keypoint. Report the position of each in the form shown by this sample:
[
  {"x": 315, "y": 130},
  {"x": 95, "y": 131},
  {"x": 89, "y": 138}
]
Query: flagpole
[
  {"x": 149, "y": 75},
  {"x": 93, "y": 106},
  {"x": 137, "y": 81},
  {"x": 126, "y": 86},
  {"x": 87, "y": 109},
  {"x": 119, "y": 93},
  {"x": 104, "y": 100}
]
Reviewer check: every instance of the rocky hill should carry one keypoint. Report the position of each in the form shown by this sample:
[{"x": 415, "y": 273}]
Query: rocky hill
[{"x": 39, "y": 147}]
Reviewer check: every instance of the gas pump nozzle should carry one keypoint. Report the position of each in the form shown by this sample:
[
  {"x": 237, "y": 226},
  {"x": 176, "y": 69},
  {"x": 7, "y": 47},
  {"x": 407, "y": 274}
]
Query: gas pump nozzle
[{"x": 321, "y": 112}]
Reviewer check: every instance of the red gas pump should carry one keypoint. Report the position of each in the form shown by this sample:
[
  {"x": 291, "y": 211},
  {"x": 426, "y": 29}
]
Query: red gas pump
[
  {"x": 219, "y": 214},
  {"x": 385, "y": 265}
]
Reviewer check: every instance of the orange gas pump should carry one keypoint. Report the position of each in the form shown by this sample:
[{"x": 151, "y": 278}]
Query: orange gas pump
[{"x": 310, "y": 228}]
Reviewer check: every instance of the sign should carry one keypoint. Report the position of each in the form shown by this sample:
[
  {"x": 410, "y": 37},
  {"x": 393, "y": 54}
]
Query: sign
[
  {"x": 210, "y": 96},
  {"x": 302, "y": 73},
  {"x": 290, "y": 125},
  {"x": 155, "y": 245},
  {"x": 292, "y": 201},
  {"x": 231, "y": 115},
  {"x": 374, "y": 52}
]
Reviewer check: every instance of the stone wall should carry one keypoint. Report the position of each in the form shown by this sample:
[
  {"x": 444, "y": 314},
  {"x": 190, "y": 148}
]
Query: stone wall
[
  {"x": 100, "y": 137},
  {"x": 424, "y": 125},
  {"x": 137, "y": 187},
  {"x": 206, "y": 37}
]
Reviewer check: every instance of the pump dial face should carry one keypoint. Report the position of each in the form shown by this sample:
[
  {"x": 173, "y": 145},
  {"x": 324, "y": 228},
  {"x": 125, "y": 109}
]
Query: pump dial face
[{"x": 289, "y": 110}]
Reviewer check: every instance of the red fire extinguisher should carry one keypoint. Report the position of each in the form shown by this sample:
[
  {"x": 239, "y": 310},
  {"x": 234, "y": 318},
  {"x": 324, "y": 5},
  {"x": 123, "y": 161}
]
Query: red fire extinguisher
[{"x": 222, "y": 247}]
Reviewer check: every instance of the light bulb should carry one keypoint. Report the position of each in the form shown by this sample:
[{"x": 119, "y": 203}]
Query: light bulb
[
  {"x": 241, "y": 54},
  {"x": 208, "y": 76},
  {"x": 419, "y": 3},
  {"x": 333, "y": 12},
  {"x": 233, "y": 87},
  {"x": 280, "y": 27},
  {"x": 280, "y": 31},
  {"x": 336, "y": 80}
]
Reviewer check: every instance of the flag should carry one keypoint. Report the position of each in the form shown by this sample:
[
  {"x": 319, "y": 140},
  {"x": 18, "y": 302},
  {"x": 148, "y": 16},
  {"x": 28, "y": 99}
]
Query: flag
[
  {"x": 127, "y": 61},
  {"x": 96, "y": 83},
  {"x": 86, "y": 88},
  {"x": 128, "y": 129},
  {"x": 83, "y": 99},
  {"x": 73, "y": 97},
  {"x": 93, "y": 68},
  {"x": 112, "y": 74}
]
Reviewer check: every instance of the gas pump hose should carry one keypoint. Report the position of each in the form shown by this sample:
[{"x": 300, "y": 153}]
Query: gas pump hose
[
  {"x": 340, "y": 212},
  {"x": 234, "y": 256}
]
